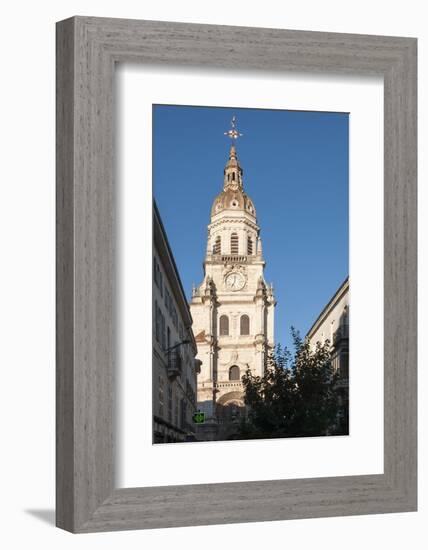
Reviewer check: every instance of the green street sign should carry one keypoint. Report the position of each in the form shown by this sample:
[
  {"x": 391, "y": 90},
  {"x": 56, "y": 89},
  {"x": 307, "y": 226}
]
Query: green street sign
[{"x": 199, "y": 417}]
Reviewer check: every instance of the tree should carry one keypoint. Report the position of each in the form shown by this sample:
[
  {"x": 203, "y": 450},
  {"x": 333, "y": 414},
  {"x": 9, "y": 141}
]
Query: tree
[{"x": 298, "y": 395}]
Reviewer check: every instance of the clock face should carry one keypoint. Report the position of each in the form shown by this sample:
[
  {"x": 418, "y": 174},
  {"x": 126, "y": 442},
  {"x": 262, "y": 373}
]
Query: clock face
[{"x": 235, "y": 281}]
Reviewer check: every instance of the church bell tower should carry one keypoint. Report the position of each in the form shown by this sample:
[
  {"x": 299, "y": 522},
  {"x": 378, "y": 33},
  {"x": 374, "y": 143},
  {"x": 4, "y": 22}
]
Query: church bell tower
[{"x": 233, "y": 307}]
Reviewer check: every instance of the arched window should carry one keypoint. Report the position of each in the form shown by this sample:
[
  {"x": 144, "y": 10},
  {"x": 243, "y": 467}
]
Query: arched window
[
  {"x": 245, "y": 324},
  {"x": 224, "y": 325},
  {"x": 249, "y": 246},
  {"x": 234, "y": 243},
  {"x": 234, "y": 373},
  {"x": 217, "y": 245}
]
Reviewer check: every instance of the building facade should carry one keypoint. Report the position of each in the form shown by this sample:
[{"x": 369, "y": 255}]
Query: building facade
[
  {"x": 333, "y": 325},
  {"x": 174, "y": 367},
  {"x": 233, "y": 307}
]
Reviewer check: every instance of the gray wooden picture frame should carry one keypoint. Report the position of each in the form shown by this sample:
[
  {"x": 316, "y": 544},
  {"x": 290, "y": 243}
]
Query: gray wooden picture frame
[{"x": 87, "y": 50}]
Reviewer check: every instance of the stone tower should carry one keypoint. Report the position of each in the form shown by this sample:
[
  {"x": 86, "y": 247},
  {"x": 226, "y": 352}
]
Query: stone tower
[{"x": 233, "y": 307}]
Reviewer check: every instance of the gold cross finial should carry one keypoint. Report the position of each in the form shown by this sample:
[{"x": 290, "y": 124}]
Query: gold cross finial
[{"x": 233, "y": 132}]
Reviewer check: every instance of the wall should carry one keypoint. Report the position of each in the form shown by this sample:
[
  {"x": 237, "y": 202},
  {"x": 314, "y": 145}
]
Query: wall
[
  {"x": 330, "y": 323},
  {"x": 27, "y": 289}
]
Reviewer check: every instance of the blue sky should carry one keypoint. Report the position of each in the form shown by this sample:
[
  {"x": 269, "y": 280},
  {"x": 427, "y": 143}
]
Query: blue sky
[{"x": 296, "y": 171}]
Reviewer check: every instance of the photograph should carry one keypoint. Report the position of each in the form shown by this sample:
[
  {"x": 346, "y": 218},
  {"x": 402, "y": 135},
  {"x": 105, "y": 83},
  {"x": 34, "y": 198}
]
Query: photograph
[{"x": 253, "y": 343}]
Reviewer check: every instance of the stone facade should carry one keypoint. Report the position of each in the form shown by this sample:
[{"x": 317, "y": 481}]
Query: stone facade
[
  {"x": 174, "y": 366},
  {"x": 333, "y": 324},
  {"x": 233, "y": 307}
]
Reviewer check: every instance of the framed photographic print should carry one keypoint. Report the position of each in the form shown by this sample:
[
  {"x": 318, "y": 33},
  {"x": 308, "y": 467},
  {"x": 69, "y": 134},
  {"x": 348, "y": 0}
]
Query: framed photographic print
[
  {"x": 245, "y": 385},
  {"x": 236, "y": 274}
]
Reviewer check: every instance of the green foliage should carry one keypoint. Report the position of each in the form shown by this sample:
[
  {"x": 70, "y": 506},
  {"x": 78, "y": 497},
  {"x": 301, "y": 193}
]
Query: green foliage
[{"x": 298, "y": 395}]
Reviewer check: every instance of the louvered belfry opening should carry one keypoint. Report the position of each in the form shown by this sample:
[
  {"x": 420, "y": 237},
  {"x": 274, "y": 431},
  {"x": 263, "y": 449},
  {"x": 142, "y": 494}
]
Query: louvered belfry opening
[
  {"x": 234, "y": 243},
  {"x": 217, "y": 245},
  {"x": 250, "y": 246}
]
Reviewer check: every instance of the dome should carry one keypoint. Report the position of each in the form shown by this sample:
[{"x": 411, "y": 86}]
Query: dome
[
  {"x": 233, "y": 199},
  {"x": 233, "y": 196}
]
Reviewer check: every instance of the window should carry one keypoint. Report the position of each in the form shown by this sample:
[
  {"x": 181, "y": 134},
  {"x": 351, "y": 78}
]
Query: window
[
  {"x": 167, "y": 300},
  {"x": 159, "y": 326},
  {"x": 168, "y": 338},
  {"x": 163, "y": 335},
  {"x": 217, "y": 245},
  {"x": 183, "y": 410},
  {"x": 224, "y": 325},
  {"x": 160, "y": 285},
  {"x": 157, "y": 276},
  {"x": 160, "y": 396},
  {"x": 344, "y": 365},
  {"x": 234, "y": 373},
  {"x": 245, "y": 325},
  {"x": 174, "y": 316},
  {"x": 234, "y": 243},
  {"x": 155, "y": 271},
  {"x": 176, "y": 409},
  {"x": 170, "y": 403},
  {"x": 190, "y": 393},
  {"x": 157, "y": 322},
  {"x": 249, "y": 246}
]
